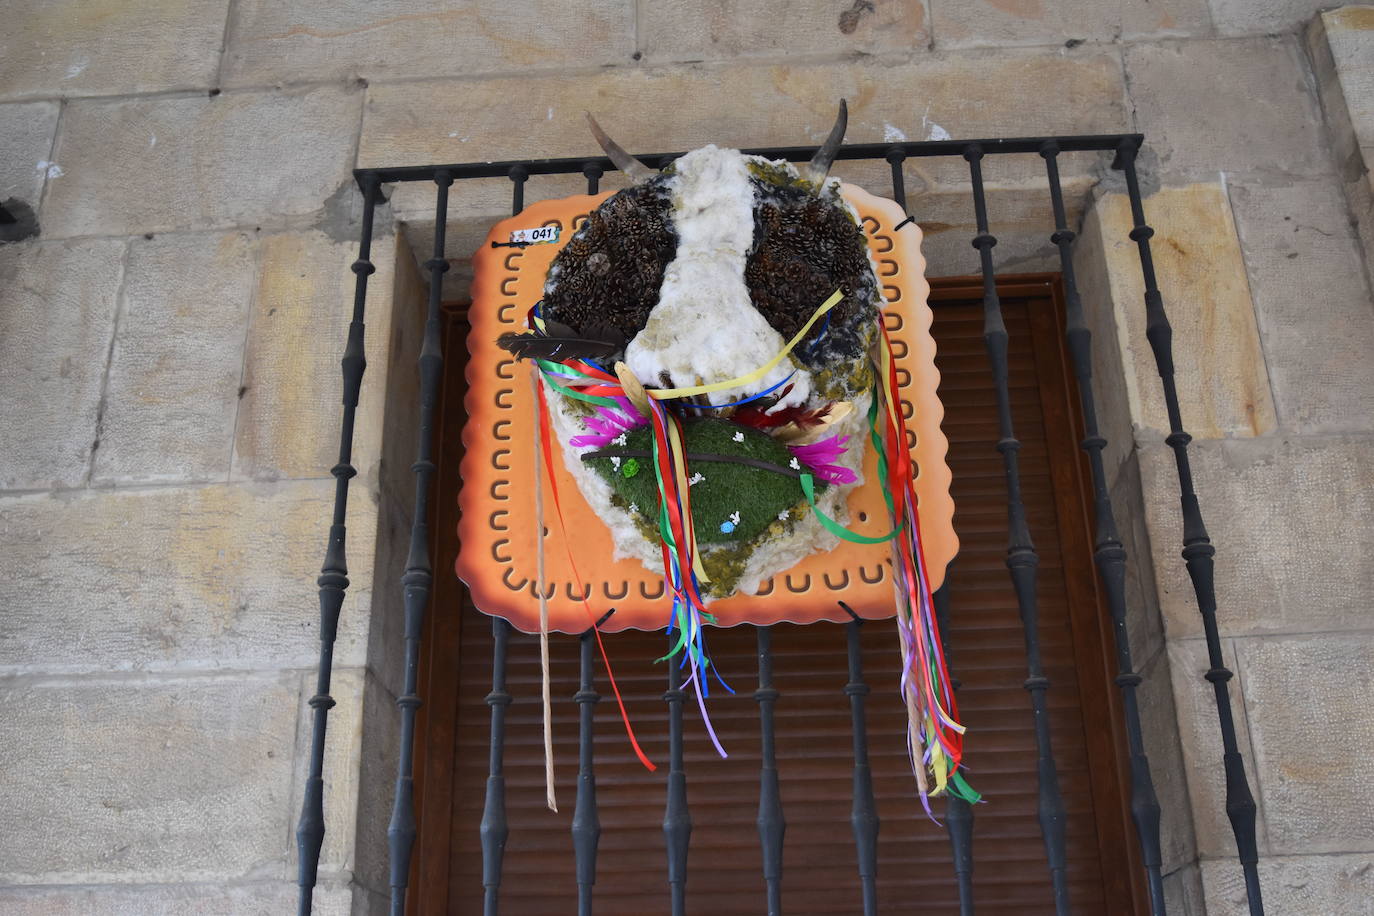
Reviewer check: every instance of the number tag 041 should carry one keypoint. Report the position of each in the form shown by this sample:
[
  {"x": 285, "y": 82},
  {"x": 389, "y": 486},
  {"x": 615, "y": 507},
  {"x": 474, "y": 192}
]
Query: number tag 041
[{"x": 534, "y": 236}]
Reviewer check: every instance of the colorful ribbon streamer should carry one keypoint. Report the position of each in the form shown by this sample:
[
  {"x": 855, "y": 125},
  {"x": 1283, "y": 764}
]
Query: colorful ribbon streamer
[{"x": 935, "y": 736}]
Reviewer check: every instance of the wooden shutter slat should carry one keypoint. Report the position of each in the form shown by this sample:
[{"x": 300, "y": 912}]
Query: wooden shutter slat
[{"x": 812, "y": 722}]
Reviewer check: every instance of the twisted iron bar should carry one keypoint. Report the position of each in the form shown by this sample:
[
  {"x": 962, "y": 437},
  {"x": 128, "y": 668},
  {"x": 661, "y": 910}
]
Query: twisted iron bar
[
  {"x": 1022, "y": 560},
  {"x": 593, "y": 173},
  {"x": 958, "y": 813},
  {"x": 1197, "y": 545},
  {"x": 333, "y": 580},
  {"x": 863, "y": 816},
  {"x": 677, "y": 820},
  {"x": 772, "y": 824},
  {"x": 1108, "y": 553},
  {"x": 586, "y": 823},
  {"x": 419, "y": 576},
  {"x": 494, "y": 828}
]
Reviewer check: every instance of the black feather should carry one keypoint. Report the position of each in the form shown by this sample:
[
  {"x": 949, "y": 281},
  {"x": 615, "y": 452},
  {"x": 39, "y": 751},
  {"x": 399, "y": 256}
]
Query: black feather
[{"x": 559, "y": 347}]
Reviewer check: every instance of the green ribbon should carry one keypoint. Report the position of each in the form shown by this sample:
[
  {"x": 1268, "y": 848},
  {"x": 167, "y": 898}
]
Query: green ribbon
[
  {"x": 961, "y": 789},
  {"x": 808, "y": 484},
  {"x": 563, "y": 389}
]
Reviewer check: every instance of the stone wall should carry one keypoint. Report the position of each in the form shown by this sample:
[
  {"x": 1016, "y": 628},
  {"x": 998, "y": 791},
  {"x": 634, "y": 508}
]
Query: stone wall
[{"x": 174, "y": 298}]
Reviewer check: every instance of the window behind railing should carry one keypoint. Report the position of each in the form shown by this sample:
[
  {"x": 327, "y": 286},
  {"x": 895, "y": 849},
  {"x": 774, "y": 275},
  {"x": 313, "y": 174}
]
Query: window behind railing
[{"x": 1027, "y": 560}]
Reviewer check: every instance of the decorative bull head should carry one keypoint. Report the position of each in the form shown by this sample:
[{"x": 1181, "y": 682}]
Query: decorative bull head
[
  {"x": 714, "y": 366},
  {"x": 698, "y": 278}
]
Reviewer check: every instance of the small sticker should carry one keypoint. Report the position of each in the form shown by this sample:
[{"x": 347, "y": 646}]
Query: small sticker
[{"x": 534, "y": 236}]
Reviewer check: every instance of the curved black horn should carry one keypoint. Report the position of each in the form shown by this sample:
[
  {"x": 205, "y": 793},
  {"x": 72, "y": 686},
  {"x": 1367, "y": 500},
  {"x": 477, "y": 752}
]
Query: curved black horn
[
  {"x": 623, "y": 160},
  {"x": 820, "y": 163}
]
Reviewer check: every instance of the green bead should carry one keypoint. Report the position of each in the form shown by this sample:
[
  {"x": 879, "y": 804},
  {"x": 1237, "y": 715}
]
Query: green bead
[{"x": 630, "y": 468}]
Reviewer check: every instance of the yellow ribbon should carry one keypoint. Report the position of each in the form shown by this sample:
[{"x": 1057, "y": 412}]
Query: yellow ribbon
[
  {"x": 664, "y": 394},
  {"x": 680, "y": 470}
]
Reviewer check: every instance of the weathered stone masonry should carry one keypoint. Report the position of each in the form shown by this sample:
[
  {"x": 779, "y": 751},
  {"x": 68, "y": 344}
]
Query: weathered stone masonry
[{"x": 172, "y": 315}]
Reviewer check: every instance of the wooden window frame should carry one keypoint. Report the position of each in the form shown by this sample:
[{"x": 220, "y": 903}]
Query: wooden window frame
[{"x": 1094, "y": 650}]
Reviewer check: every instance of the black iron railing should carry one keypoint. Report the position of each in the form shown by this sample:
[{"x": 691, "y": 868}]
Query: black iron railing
[
  {"x": 1022, "y": 562},
  {"x": 772, "y": 824},
  {"x": 1197, "y": 546},
  {"x": 863, "y": 817},
  {"x": 333, "y": 579}
]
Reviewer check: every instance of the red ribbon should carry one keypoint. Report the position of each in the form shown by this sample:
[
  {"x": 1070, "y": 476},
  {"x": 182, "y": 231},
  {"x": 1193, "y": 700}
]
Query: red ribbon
[{"x": 546, "y": 442}]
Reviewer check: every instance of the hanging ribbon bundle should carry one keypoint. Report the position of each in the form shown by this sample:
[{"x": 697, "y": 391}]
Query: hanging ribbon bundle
[
  {"x": 681, "y": 559},
  {"x": 935, "y": 736}
]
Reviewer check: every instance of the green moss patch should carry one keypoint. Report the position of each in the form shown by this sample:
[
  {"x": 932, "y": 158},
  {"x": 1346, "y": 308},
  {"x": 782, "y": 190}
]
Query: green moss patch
[{"x": 732, "y": 503}]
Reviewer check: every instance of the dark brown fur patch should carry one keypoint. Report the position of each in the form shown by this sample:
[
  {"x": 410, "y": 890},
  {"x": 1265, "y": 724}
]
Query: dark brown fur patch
[
  {"x": 611, "y": 270},
  {"x": 806, "y": 247}
]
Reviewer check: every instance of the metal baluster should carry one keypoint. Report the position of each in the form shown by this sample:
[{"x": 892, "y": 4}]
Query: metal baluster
[
  {"x": 419, "y": 576},
  {"x": 958, "y": 813},
  {"x": 586, "y": 824},
  {"x": 677, "y": 820},
  {"x": 1108, "y": 553},
  {"x": 772, "y": 824},
  {"x": 593, "y": 171},
  {"x": 494, "y": 828},
  {"x": 863, "y": 817},
  {"x": 1022, "y": 560},
  {"x": 895, "y": 157},
  {"x": 333, "y": 580},
  {"x": 1197, "y": 546}
]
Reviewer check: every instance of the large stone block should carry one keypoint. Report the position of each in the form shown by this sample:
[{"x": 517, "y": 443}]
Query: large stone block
[
  {"x": 1330, "y": 885},
  {"x": 1341, "y": 45},
  {"x": 381, "y": 725},
  {"x": 218, "y": 899},
  {"x": 26, "y": 135},
  {"x": 1349, "y": 34},
  {"x": 1003, "y": 23},
  {"x": 219, "y": 576},
  {"x": 1259, "y": 17},
  {"x": 181, "y": 779},
  {"x": 1144, "y": 625},
  {"x": 1020, "y": 216},
  {"x": 1257, "y": 115},
  {"x": 1286, "y": 517},
  {"x": 1219, "y": 364},
  {"x": 657, "y": 110},
  {"x": 292, "y": 401},
  {"x": 80, "y": 47},
  {"x": 1168, "y": 760},
  {"x": 1307, "y": 706},
  {"x": 55, "y": 325},
  {"x": 1198, "y": 727},
  {"x": 1338, "y": 45},
  {"x": 237, "y": 159},
  {"x": 409, "y": 299},
  {"x": 275, "y": 42},
  {"x": 1312, "y": 304},
  {"x": 386, "y": 638},
  {"x": 715, "y": 29},
  {"x": 177, "y": 361},
  {"x": 1098, "y": 260},
  {"x": 1183, "y": 895}
]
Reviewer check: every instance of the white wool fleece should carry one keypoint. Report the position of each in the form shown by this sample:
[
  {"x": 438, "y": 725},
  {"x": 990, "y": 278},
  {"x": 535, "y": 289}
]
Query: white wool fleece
[{"x": 704, "y": 326}]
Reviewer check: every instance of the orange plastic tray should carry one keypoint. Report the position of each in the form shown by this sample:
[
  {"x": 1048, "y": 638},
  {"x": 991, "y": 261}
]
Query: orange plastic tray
[{"x": 497, "y": 528}]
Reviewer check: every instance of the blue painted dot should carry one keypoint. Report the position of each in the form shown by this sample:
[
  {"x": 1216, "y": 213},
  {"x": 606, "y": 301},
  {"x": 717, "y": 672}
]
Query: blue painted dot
[{"x": 727, "y": 527}]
